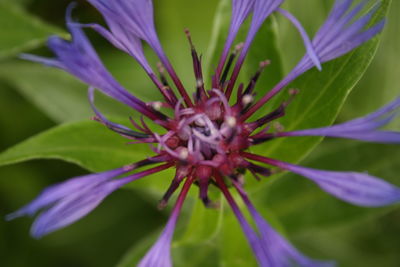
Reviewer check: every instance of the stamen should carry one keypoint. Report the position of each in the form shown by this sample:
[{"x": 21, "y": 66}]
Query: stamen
[
  {"x": 137, "y": 126},
  {"x": 239, "y": 94},
  {"x": 247, "y": 100},
  {"x": 228, "y": 66},
  {"x": 254, "y": 79},
  {"x": 161, "y": 71},
  {"x": 181, "y": 173},
  {"x": 156, "y": 105},
  {"x": 183, "y": 153},
  {"x": 121, "y": 130},
  {"x": 230, "y": 121},
  {"x": 198, "y": 71},
  {"x": 277, "y": 113}
]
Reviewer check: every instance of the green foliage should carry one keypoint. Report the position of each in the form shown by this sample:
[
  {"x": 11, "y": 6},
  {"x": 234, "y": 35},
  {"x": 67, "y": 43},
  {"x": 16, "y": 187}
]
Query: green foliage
[
  {"x": 206, "y": 237},
  {"x": 20, "y": 30}
]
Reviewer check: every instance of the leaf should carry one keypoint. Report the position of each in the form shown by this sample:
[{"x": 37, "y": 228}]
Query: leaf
[
  {"x": 56, "y": 93},
  {"x": 20, "y": 30},
  {"x": 87, "y": 144},
  {"x": 196, "y": 16},
  {"x": 367, "y": 243}
]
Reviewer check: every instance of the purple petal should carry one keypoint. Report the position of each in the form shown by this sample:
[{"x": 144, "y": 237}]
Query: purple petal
[
  {"x": 69, "y": 201},
  {"x": 123, "y": 40},
  {"x": 133, "y": 19},
  {"x": 262, "y": 9},
  {"x": 338, "y": 37},
  {"x": 280, "y": 253},
  {"x": 342, "y": 32},
  {"x": 45, "y": 61},
  {"x": 160, "y": 253},
  {"x": 118, "y": 128},
  {"x": 71, "y": 187},
  {"x": 127, "y": 18},
  {"x": 365, "y": 128},
  {"x": 357, "y": 188},
  {"x": 309, "y": 47},
  {"x": 80, "y": 59},
  {"x": 240, "y": 11},
  {"x": 384, "y": 137},
  {"x": 72, "y": 208},
  {"x": 251, "y": 236}
]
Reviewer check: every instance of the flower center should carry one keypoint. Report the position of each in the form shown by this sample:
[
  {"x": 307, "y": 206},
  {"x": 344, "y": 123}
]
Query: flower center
[{"x": 206, "y": 134}]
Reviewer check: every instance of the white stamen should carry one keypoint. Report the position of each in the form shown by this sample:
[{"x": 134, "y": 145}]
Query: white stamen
[
  {"x": 199, "y": 83},
  {"x": 230, "y": 121},
  {"x": 156, "y": 105},
  {"x": 247, "y": 99},
  {"x": 183, "y": 154}
]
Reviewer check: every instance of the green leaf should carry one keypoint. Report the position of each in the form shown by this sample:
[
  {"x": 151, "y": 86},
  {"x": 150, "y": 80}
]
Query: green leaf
[
  {"x": 367, "y": 243},
  {"x": 58, "y": 94},
  {"x": 87, "y": 144},
  {"x": 20, "y": 30}
]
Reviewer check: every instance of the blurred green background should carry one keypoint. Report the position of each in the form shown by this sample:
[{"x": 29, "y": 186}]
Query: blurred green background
[{"x": 316, "y": 223}]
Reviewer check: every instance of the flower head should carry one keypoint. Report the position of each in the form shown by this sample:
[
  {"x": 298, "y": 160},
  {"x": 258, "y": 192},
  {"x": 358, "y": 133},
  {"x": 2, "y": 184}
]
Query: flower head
[{"x": 208, "y": 136}]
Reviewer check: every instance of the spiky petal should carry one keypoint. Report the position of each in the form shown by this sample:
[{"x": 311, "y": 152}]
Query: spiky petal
[
  {"x": 340, "y": 34},
  {"x": 279, "y": 252},
  {"x": 159, "y": 254},
  {"x": 357, "y": 188},
  {"x": 67, "y": 202},
  {"x": 364, "y": 128},
  {"x": 79, "y": 58}
]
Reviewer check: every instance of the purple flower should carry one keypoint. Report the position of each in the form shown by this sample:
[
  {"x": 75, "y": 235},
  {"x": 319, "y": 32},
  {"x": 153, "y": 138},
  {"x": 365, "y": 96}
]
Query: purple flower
[{"x": 206, "y": 138}]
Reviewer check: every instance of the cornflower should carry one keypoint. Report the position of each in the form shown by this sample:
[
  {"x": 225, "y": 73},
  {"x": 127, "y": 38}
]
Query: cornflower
[{"x": 208, "y": 136}]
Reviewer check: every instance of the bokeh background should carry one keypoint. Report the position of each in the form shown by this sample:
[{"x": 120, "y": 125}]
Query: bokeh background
[{"x": 353, "y": 236}]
